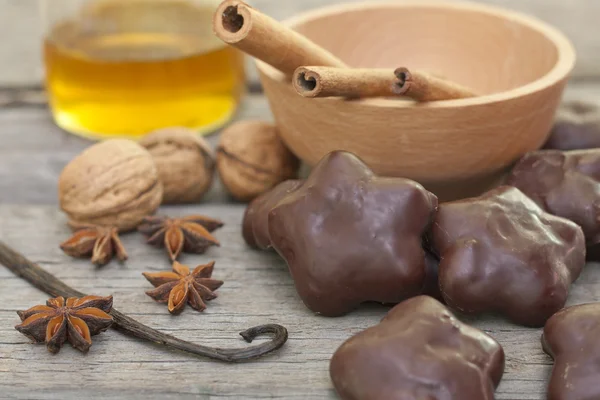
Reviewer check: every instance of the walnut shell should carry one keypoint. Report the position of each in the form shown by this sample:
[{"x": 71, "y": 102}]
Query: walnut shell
[
  {"x": 111, "y": 183},
  {"x": 185, "y": 163},
  {"x": 251, "y": 159}
]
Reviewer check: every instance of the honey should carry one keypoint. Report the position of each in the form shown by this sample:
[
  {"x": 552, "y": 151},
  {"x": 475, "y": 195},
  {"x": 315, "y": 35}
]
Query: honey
[{"x": 125, "y": 68}]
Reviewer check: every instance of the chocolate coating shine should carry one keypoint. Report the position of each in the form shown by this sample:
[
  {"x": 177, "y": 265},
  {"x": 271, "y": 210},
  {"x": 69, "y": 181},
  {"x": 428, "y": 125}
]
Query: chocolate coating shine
[
  {"x": 349, "y": 236},
  {"x": 432, "y": 286},
  {"x": 255, "y": 229},
  {"x": 566, "y": 184},
  {"x": 418, "y": 351},
  {"x": 577, "y": 128},
  {"x": 502, "y": 253},
  {"x": 571, "y": 338}
]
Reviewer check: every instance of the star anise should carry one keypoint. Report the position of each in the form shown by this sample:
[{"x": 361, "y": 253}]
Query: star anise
[
  {"x": 180, "y": 286},
  {"x": 73, "y": 319},
  {"x": 99, "y": 242},
  {"x": 190, "y": 234}
]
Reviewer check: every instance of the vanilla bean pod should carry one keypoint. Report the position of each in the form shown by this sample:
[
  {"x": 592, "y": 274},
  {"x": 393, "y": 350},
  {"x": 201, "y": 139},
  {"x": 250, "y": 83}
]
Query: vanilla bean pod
[{"x": 53, "y": 286}]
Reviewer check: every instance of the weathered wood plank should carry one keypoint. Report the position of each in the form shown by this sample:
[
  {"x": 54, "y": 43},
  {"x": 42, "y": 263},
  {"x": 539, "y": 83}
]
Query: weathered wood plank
[
  {"x": 258, "y": 290},
  {"x": 33, "y": 150},
  {"x": 20, "y": 58}
]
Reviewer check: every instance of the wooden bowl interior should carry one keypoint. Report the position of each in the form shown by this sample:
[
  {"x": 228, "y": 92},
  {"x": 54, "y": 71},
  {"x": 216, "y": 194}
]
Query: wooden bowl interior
[{"x": 475, "y": 47}]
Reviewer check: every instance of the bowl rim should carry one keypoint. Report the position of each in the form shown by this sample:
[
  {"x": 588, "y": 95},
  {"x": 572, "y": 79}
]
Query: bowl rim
[{"x": 561, "y": 70}]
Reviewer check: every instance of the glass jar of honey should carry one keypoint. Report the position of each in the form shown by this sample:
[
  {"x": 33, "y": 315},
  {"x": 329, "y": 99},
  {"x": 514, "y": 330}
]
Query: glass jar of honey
[{"x": 122, "y": 68}]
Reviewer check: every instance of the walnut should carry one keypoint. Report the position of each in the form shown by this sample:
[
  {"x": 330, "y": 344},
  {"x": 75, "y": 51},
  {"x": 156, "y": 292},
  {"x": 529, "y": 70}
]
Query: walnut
[
  {"x": 111, "y": 183},
  {"x": 251, "y": 159},
  {"x": 185, "y": 163}
]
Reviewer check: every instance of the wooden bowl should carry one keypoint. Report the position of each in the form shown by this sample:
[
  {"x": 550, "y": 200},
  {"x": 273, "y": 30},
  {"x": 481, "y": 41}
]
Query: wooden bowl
[{"x": 518, "y": 64}]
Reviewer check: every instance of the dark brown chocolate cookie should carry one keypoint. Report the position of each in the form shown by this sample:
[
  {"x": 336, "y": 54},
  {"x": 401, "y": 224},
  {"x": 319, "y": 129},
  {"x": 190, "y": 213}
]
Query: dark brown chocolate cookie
[
  {"x": 349, "y": 236},
  {"x": 502, "y": 253},
  {"x": 577, "y": 127},
  {"x": 571, "y": 338},
  {"x": 418, "y": 351},
  {"x": 432, "y": 286},
  {"x": 255, "y": 229},
  {"x": 566, "y": 184}
]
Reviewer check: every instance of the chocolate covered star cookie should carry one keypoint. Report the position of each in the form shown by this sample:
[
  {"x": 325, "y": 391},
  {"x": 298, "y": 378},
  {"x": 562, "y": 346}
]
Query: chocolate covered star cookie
[
  {"x": 566, "y": 184},
  {"x": 577, "y": 127},
  {"x": 502, "y": 253},
  {"x": 349, "y": 236},
  {"x": 418, "y": 351},
  {"x": 571, "y": 338},
  {"x": 255, "y": 226}
]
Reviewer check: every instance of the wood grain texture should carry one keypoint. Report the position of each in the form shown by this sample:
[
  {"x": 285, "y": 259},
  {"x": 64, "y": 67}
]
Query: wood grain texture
[
  {"x": 33, "y": 151},
  {"x": 482, "y": 50},
  {"x": 257, "y": 290},
  {"x": 20, "y": 57}
]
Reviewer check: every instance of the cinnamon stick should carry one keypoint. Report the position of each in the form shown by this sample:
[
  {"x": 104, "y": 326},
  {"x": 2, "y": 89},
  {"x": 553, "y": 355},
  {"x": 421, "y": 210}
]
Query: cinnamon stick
[
  {"x": 423, "y": 87},
  {"x": 344, "y": 82},
  {"x": 354, "y": 83},
  {"x": 260, "y": 36}
]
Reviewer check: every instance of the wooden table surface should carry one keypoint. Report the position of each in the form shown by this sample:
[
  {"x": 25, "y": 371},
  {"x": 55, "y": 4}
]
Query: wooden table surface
[{"x": 257, "y": 290}]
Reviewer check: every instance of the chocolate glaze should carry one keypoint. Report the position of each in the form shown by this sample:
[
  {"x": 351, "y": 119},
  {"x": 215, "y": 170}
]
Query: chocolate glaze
[
  {"x": 255, "y": 229},
  {"x": 577, "y": 128},
  {"x": 418, "y": 351},
  {"x": 571, "y": 338},
  {"x": 566, "y": 184},
  {"x": 347, "y": 235},
  {"x": 502, "y": 253},
  {"x": 432, "y": 287}
]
